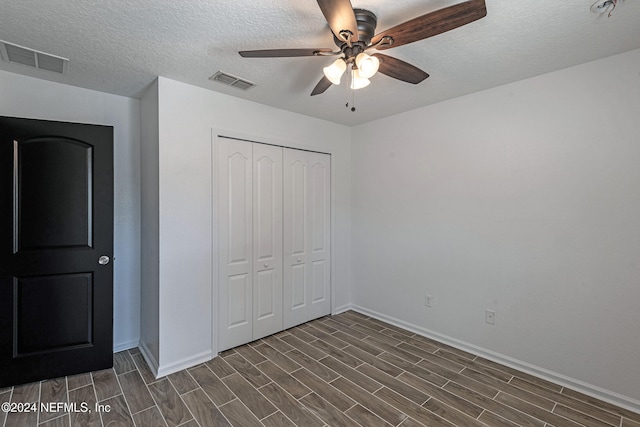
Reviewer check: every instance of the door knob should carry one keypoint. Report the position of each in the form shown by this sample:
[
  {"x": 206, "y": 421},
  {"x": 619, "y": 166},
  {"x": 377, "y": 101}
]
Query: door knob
[
  {"x": 103, "y": 260},
  {"x": 299, "y": 259},
  {"x": 266, "y": 264}
]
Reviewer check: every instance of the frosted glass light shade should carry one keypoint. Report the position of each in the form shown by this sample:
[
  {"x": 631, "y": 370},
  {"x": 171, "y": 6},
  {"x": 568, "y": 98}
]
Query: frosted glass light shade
[
  {"x": 368, "y": 65},
  {"x": 335, "y": 71},
  {"x": 357, "y": 81}
]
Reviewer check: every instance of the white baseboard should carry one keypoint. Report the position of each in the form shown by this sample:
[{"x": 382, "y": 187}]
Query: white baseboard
[
  {"x": 341, "y": 309},
  {"x": 152, "y": 363},
  {"x": 162, "y": 370},
  {"x": 125, "y": 345},
  {"x": 577, "y": 385},
  {"x": 187, "y": 362}
]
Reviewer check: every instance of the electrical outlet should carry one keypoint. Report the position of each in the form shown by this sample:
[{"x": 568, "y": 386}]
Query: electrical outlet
[
  {"x": 427, "y": 300},
  {"x": 490, "y": 317}
]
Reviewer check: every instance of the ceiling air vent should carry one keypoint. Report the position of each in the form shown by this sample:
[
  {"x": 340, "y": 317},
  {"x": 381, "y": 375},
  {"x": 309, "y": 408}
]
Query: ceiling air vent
[
  {"x": 230, "y": 80},
  {"x": 33, "y": 58}
]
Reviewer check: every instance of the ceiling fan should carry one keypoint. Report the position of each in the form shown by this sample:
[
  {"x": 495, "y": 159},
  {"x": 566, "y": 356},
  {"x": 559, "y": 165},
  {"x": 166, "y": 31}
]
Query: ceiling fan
[{"x": 354, "y": 34}]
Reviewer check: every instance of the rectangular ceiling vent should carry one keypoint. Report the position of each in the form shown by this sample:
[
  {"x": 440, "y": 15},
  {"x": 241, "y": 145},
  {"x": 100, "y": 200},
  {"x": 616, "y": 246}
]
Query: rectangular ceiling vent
[
  {"x": 33, "y": 58},
  {"x": 230, "y": 80}
]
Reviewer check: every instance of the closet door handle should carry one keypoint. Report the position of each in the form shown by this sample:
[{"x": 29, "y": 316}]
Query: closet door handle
[
  {"x": 299, "y": 259},
  {"x": 266, "y": 264}
]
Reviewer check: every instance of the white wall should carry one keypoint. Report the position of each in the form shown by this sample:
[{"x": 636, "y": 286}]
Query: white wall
[
  {"x": 22, "y": 96},
  {"x": 149, "y": 213},
  {"x": 523, "y": 199},
  {"x": 187, "y": 115}
]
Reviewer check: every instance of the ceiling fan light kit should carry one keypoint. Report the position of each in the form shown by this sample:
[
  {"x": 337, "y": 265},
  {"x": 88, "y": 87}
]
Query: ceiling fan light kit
[
  {"x": 367, "y": 65},
  {"x": 358, "y": 81},
  {"x": 354, "y": 34},
  {"x": 335, "y": 71}
]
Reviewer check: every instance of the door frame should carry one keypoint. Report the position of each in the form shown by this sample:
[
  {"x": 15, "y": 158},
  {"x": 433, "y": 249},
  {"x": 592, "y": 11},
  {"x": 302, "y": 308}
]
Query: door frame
[{"x": 217, "y": 133}]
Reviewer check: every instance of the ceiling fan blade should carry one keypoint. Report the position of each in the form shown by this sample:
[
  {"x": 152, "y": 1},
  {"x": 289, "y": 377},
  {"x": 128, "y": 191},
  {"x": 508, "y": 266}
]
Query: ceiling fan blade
[
  {"x": 339, "y": 14},
  {"x": 398, "y": 69},
  {"x": 322, "y": 85},
  {"x": 433, "y": 23},
  {"x": 282, "y": 53}
]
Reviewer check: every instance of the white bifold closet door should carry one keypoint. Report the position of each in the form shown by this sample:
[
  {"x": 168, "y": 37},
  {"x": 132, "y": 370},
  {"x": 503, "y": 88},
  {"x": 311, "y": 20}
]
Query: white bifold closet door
[
  {"x": 267, "y": 240},
  {"x": 273, "y": 239},
  {"x": 250, "y": 241},
  {"x": 307, "y": 226}
]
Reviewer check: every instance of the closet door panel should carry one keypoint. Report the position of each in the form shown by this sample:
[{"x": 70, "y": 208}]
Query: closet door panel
[
  {"x": 297, "y": 206},
  {"x": 267, "y": 240},
  {"x": 318, "y": 279},
  {"x": 239, "y": 291},
  {"x": 319, "y": 248},
  {"x": 295, "y": 179},
  {"x": 235, "y": 231},
  {"x": 239, "y": 212},
  {"x": 265, "y": 304},
  {"x": 298, "y": 290}
]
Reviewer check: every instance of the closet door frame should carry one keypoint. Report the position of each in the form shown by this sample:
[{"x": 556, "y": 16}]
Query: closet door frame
[{"x": 216, "y": 134}]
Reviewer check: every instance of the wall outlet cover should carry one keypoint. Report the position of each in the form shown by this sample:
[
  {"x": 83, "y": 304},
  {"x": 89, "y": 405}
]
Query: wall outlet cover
[{"x": 490, "y": 317}]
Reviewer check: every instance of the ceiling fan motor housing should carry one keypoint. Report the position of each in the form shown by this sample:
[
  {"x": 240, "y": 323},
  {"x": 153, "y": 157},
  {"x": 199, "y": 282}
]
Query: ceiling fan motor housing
[{"x": 367, "y": 22}]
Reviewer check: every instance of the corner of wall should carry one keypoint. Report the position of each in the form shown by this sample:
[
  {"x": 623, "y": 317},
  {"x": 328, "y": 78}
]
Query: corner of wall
[{"x": 149, "y": 212}]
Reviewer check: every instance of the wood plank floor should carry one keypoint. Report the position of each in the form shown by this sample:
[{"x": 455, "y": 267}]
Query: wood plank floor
[{"x": 344, "y": 370}]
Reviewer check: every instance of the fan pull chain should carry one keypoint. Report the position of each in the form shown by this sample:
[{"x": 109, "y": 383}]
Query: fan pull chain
[
  {"x": 353, "y": 100},
  {"x": 346, "y": 88},
  {"x": 353, "y": 97}
]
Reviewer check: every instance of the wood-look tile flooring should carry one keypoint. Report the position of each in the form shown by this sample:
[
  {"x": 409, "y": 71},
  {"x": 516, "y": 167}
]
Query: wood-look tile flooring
[{"x": 344, "y": 370}]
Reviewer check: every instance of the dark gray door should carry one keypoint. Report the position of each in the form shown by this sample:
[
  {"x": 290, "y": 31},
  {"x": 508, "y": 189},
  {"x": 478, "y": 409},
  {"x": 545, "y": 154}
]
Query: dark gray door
[{"x": 56, "y": 245}]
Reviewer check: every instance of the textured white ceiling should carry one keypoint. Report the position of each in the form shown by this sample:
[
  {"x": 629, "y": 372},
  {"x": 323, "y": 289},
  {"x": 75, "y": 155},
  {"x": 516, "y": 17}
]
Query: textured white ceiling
[{"x": 120, "y": 46}]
